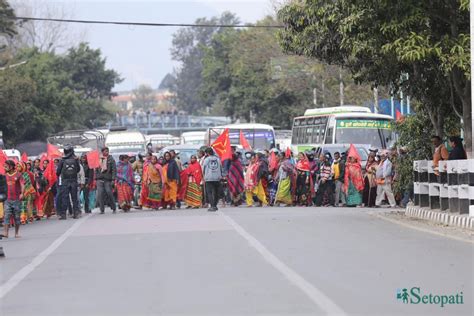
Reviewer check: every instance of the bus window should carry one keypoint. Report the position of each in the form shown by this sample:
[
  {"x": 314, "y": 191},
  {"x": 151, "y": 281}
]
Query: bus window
[
  {"x": 309, "y": 135},
  {"x": 316, "y": 135},
  {"x": 301, "y": 136},
  {"x": 329, "y": 135}
]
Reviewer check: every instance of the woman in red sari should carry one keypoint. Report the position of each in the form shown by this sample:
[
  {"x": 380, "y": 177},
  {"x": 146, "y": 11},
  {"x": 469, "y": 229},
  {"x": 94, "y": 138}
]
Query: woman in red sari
[
  {"x": 353, "y": 179},
  {"x": 191, "y": 178}
]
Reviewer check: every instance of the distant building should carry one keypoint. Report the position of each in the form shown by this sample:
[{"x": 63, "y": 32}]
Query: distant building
[{"x": 162, "y": 99}]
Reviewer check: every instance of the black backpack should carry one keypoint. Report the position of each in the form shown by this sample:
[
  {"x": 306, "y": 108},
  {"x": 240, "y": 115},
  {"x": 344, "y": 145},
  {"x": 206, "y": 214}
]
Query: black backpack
[{"x": 69, "y": 170}]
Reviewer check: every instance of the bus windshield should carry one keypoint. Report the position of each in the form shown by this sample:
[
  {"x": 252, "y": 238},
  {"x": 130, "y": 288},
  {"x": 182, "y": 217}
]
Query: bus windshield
[
  {"x": 257, "y": 138},
  {"x": 376, "y": 132}
]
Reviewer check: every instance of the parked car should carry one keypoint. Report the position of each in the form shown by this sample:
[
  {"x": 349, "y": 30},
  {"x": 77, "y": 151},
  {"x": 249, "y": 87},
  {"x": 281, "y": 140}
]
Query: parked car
[{"x": 184, "y": 152}]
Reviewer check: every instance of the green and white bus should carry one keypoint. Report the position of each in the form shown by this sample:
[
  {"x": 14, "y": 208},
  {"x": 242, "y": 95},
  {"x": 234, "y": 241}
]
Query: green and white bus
[{"x": 341, "y": 125}]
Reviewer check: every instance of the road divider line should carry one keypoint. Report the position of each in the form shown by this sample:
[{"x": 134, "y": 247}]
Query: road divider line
[
  {"x": 26, "y": 270},
  {"x": 314, "y": 294}
]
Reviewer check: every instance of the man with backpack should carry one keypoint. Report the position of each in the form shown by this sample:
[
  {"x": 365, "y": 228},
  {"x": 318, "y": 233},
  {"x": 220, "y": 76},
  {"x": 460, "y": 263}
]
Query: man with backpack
[{"x": 67, "y": 171}]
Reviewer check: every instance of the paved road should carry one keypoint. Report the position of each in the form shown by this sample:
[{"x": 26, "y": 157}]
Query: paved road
[{"x": 268, "y": 261}]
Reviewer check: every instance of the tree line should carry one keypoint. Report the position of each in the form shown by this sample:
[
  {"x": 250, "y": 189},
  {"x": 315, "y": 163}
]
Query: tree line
[
  {"x": 420, "y": 47},
  {"x": 245, "y": 74},
  {"x": 51, "y": 92}
]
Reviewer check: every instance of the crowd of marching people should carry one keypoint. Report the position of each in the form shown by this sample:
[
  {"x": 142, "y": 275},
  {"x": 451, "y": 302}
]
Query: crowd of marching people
[{"x": 62, "y": 186}]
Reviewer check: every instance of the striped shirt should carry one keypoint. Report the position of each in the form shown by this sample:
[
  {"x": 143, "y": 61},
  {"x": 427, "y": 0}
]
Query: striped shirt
[{"x": 13, "y": 186}]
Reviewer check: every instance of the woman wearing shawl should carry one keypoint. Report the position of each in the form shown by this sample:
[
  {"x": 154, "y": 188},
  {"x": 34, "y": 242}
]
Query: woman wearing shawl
[
  {"x": 171, "y": 177},
  {"x": 285, "y": 179},
  {"x": 235, "y": 180},
  {"x": 252, "y": 183},
  {"x": 29, "y": 193},
  {"x": 41, "y": 185},
  {"x": 153, "y": 176},
  {"x": 370, "y": 186},
  {"x": 302, "y": 180},
  {"x": 273, "y": 168},
  {"x": 144, "y": 190},
  {"x": 353, "y": 180},
  {"x": 191, "y": 178},
  {"x": 124, "y": 183}
]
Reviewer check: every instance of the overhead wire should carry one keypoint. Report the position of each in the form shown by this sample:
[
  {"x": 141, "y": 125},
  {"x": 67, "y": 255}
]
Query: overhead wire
[{"x": 152, "y": 24}]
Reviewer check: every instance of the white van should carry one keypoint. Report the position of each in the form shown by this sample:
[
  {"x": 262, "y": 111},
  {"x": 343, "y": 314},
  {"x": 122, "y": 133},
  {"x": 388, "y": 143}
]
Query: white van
[
  {"x": 193, "y": 138},
  {"x": 122, "y": 141},
  {"x": 13, "y": 154}
]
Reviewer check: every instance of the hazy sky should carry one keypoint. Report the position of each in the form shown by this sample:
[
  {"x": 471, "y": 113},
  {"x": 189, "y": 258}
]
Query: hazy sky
[{"x": 142, "y": 54}]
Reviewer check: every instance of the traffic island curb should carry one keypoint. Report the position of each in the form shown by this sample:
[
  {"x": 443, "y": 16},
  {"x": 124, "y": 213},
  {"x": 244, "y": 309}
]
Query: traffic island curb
[{"x": 461, "y": 221}]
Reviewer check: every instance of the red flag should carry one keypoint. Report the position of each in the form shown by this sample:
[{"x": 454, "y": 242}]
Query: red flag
[
  {"x": 3, "y": 158},
  {"x": 352, "y": 152},
  {"x": 398, "y": 115},
  {"x": 288, "y": 153},
  {"x": 53, "y": 152},
  {"x": 243, "y": 141},
  {"x": 93, "y": 159},
  {"x": 222, "y": 145},
  {"x": 272, "y": 163},
  {"x": 50, "y": 174},
  {"x": 24, "y": 157}
]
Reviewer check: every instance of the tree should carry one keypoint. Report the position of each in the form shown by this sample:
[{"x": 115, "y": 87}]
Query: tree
[
  {"x": 168, "y": 83},
  {"x": 7, "y": 27},
  {"x": 52, "y": 93},
  {"x": 246, "y": 74},
  {"x": 381, "y": 42},
  {"x": 188, "y": 49},
  {"x": 46, "y": 36},
  {"x": 144, "y": 97}
]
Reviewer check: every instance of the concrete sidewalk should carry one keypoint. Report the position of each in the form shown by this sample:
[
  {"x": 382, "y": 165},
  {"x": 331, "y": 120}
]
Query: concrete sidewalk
[{"x": 462, "y": 221}]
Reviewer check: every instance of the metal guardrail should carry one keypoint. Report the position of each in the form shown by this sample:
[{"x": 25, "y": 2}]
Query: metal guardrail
[{"x": 452, "y": 189}]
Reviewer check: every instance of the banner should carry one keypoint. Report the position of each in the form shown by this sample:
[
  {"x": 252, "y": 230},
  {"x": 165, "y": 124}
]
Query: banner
[
  {"x": 382, "y": 124},
  {"x": 93, "y": 160},
  {"x": 222, "y": 146}
]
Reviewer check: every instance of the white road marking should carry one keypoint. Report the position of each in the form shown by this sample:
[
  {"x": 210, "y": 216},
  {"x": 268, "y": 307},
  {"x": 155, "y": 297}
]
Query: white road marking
[
  {"x": 26, "y": 270},
  {"x": 316, "y": 295}
]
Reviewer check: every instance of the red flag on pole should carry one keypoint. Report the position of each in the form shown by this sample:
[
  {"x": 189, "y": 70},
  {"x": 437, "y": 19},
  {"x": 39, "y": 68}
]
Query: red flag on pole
[
  {"x": 222, "y": 146},
  {"x": 288, "y": 153},
  {"x": 53, "y": 152},
  {"x": 398, "y": 115},
  {"x": 24, "y": 157},
  {"x": 50, "y": 174},
  {"x": 243, "y": 141},
  {"x": 272, "y": 163},
  {"x": 93, "y": 159},
  {"x": 3, "y": 158}
]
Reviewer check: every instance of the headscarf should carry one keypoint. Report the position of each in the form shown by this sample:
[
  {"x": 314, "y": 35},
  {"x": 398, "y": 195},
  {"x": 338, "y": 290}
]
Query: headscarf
[
  {"x": 303, "y": 164},
  {"x": 353, "y": 171}
]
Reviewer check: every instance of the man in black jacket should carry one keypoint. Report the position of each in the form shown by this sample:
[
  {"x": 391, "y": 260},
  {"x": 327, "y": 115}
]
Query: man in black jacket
[
  {"x": 105, "y": 177},
  {"x": 67, "y": 171}
]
